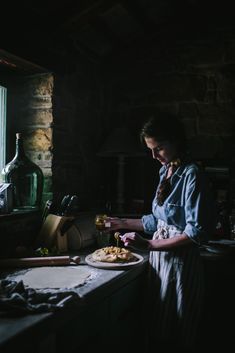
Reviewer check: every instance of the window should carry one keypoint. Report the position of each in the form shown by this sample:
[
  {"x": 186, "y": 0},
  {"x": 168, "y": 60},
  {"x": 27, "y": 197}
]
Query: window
[{"x": 3, "y": 108}]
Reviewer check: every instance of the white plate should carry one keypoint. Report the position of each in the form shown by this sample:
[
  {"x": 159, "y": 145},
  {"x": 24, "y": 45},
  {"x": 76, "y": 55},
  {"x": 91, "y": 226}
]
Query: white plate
[
  {"x": 214, "y": 250},
  {"x": 218, "y": 250},
  {"x": 114, "y": 265},
  {"x": 227, "y": 242}
]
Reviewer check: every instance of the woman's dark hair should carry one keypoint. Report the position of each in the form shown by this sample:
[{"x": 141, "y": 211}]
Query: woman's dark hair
[{"x": 165, "y": 127}]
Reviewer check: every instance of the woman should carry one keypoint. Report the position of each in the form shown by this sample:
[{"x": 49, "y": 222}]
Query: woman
[{"x": 182, "y": 218}]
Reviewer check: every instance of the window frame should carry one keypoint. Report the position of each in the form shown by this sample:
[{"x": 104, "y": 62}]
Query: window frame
[{"x": 3, "y": 123}]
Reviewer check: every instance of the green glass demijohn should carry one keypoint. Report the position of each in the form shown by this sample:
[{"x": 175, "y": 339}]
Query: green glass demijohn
[{"x": 26, "y": 177}]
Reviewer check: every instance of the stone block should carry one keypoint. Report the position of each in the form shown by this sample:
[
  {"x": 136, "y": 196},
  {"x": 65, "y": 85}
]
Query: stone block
[
  {"x": 40, "y": 102},
  {"x": 38, "y": 117},
  {"x": 39, "y": 140},
  {"x": 41, "y": 85}
]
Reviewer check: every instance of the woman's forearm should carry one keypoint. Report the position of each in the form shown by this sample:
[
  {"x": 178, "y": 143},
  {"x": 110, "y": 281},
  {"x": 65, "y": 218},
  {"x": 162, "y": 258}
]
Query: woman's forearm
[
  {"x": 169, "y": 243},
  {"x": 133, "y": 224},
  {"x": 115, "y": 223}
]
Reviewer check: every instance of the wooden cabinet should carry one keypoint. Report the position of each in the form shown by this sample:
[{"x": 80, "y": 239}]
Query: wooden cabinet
[
  {"x": 108, "y": 313},
  {"x": 115, "y": 321},
  {"x": 217, "y": 330}
]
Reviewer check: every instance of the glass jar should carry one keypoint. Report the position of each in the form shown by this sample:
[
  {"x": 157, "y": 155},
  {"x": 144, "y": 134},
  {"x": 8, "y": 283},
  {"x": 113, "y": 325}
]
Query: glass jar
[
  {"x": 26, "y": 177},
  {"x": 102, "y": 236}
]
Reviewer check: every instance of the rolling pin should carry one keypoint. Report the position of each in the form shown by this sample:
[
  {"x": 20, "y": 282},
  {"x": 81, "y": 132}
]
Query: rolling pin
[{"x": 39, "y": 261}]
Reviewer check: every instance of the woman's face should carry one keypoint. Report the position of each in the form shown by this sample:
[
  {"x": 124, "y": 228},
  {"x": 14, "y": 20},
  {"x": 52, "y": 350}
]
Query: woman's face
[{"x": 163, "y": 151}]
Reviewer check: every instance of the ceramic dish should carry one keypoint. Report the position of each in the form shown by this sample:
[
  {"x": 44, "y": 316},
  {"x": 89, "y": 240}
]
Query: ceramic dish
[{"x": 114, "y": 265}]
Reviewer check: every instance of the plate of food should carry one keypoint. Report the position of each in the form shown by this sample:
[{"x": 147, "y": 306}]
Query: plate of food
[{"x": 113, "y": 257}]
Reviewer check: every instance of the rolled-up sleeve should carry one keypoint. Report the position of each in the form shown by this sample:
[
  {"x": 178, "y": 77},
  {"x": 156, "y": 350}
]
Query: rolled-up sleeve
[
  {"x": 149, "y": 223},
  {"x": 198, "y": 212}
]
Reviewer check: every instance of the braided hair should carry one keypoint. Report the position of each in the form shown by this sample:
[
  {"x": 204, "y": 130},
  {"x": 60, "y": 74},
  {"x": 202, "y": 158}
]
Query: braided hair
[{"x": 166, "y": 127}]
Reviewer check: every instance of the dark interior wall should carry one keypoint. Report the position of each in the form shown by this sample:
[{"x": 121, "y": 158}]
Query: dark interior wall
[
  {"x": 85, "y": 113},
  {"x": 78, "y": 127},
  {"x": 192, "y": 77},
  {"x": 69, "y": 117}
]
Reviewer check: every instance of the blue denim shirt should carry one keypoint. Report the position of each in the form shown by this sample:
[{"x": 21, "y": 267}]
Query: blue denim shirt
[{"x": 189, "y": 207}]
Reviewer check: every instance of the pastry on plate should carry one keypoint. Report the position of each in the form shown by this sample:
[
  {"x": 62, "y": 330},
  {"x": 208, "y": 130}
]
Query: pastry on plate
[{"x": 113, "y": 254}]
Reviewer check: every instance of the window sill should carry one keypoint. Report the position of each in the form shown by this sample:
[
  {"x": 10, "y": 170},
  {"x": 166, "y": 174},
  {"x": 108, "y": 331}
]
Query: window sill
[{"x": 19, "y": 214}]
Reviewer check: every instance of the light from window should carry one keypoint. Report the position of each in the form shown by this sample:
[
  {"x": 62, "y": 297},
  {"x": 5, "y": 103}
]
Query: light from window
[{"x": 3, "y": 109}]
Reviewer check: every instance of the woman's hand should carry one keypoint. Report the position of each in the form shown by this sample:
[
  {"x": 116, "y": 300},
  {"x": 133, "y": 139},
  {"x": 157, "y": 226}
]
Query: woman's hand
[
  {"x": 135, "y": 240},
  {"x": 114, "y": 223}
]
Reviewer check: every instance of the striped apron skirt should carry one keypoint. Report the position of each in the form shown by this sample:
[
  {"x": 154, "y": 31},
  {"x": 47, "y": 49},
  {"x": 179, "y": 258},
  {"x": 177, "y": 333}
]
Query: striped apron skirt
[{"x": 176, "y": 291}]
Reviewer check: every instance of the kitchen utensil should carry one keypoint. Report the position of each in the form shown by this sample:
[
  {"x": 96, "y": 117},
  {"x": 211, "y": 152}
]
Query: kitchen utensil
[
  {"x": 73, "y": 201},
  {"x": 46, "y": 210},
  {"x": 39, "y": 261},
  {"x": 64, "y": 203},
  {"x": 82, "y": 233}
]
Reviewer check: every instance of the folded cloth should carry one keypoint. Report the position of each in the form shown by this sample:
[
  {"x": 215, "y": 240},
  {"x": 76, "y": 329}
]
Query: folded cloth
[{"x": 15, "y": 299}]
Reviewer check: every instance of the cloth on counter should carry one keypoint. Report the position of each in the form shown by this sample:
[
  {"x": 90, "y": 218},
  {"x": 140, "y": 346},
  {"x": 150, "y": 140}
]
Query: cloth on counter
[{"x": 16, "y": 299}]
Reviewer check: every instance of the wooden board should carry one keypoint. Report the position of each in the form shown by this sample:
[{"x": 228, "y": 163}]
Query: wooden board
[{"x": 50, "y": 234}]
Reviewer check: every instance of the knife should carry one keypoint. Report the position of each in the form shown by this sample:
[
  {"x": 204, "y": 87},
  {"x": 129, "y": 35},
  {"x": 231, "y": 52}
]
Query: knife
[
  {"x": 47, "y": 209},
  {"x": 70, "y": 205},
  {"x": 64, "y": 204}
]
